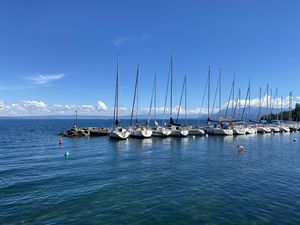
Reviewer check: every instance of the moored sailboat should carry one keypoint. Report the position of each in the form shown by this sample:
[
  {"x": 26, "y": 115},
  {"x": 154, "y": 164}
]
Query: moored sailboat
[
  {"x": 117, "y": 132},
  {"x": 139, "y": 131}
]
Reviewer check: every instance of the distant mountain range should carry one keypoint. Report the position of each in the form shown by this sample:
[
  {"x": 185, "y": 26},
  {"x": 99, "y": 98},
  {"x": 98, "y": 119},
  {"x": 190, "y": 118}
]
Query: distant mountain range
[{"x": 253, "y": 115}]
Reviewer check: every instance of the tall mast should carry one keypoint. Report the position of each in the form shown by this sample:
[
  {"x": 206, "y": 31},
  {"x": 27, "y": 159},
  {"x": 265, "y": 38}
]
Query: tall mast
[
  {"x": 247, "y": 95},
  {"x": 217, "y": 90},
  {"x": 155, "y": 98},
  {"x": 166, "y": 97},
  {"x": 230, "y": 95},
  {"x": 137, "y": 96},
  {"x": 208, "y": 93},
  {"x": 151, "y": 102},
  {"x": 180, "y": 101},
  {"x": 134, "y": 95},
  {"x": 202, "y": 103},
  {"x": 233, "y": 84},
  {"x": 115, "y": 120},
  {"x": 249, "y": 102},
  {"x": 239, "y": 102},
  {"x": 185, "y": 103},
  {"x": 267, "y": 101},
  {"x": 281, "y": 108},
  {"x": 290, "y": 105},
  {"x": 220, "y": 95},
  {"x": 277, "y": 105},
  {"x": 171, "y": 96}
]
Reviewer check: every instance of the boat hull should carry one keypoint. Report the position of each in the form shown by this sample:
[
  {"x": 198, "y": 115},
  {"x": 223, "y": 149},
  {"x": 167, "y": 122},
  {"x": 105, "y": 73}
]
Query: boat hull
[
  {"x": 218, "y": 131},
  {"x": 146, "y": 133},
  {"x": 161, "y": 132},
  {"x": 119, "y": 134},
  {"x": 263, "y": 130},
  {"x": 239, "y": 131},
  {"x": 179, "y": 133},
  {"x": 196, "y": 132}
]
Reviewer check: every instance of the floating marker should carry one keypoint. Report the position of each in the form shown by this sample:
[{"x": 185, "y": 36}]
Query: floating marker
[
  {"x": 206, "y": 135},
  {"x": 240, "y": 148},
  {"x": 66, "y": 154},
  {"x": 295, "y": 139},
  {"x": 60, "y": 141},
  {"x": 193, "y": 136}
]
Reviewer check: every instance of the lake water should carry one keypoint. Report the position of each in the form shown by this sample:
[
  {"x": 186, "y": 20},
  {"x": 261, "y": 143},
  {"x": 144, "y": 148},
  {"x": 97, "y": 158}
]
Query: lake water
[{"x": 154, "y": 181}]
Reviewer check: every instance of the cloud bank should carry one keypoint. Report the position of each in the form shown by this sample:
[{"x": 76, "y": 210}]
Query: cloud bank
[{"x": 40, "y": 108}]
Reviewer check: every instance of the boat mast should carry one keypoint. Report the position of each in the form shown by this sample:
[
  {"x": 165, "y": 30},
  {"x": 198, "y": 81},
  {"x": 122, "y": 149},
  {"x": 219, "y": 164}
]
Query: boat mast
[
  {"x": 217, "y": 90},
  {"x": 267, "y": 115},
  {"x": 230, "y": 94},
  {"x": 247, "y": 96},
  {"x": 151, "y": 102},
  {"x": 171, "y": 96},
  {"x": 220, "y": 96},
  {"x": 202, "y": 103},
  {"x": 259, "y": 108},
  {"x": 182, "y": 90},
  {"x": 185, "y": 103},
  {"x": 115, "y": 120},
  {"x": 249, "y": 109},
  {"x": 236, "y": 104},
  {"x": 166, "y": 97},
  {"x": 137, "y": 98},
  {"x": 155, "y": 98},
  {"x": 239, "y": 102},
  {"x": 134, "y": 96},
  {"x": 233, "y": 85},
  {"x": 281, "y": 108},
  {"x": 208, "y": 94}
]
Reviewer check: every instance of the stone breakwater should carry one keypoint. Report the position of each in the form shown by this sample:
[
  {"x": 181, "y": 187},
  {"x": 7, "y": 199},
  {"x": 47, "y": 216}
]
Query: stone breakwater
[{"x": 85, "y": 132}]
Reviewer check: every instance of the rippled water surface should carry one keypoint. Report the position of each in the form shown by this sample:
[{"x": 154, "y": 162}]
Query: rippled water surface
[{"x": 154, "y": 181}]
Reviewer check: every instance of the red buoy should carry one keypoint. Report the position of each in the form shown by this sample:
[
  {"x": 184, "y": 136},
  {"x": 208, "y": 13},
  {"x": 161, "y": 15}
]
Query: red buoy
[{"x": 60, "y": 141}]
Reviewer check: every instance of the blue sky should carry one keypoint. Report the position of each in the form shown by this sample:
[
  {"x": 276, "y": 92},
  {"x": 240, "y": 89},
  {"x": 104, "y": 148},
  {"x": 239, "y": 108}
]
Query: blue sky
[{"x": 63, "y": 53}]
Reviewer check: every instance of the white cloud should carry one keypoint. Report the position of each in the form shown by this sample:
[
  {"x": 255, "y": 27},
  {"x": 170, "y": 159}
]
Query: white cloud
[
  {"x": 40, "y": 108},
  {"x": 101, "y": 106},
  {"x": 130, "y": 39},
  {"x": 40, "y": 79}
]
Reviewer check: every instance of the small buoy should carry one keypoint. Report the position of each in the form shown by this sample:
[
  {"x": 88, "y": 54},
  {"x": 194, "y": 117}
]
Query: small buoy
[
  {"x": 60, "y": 141},
  {"x": 240, "y": 148},
  {"x": 295, "y": 139},
  {"x": 193, "y": 136},
  {"x": 206, "y": 135},
  {"x": 66, "y": 154}
]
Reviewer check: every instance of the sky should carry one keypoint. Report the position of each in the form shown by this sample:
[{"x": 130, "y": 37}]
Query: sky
[{"x": 60, "y": 56}]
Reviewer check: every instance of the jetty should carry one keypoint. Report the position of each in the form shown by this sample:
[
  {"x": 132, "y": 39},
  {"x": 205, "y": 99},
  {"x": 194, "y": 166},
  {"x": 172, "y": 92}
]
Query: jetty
[{"x": 85, "y": 132}]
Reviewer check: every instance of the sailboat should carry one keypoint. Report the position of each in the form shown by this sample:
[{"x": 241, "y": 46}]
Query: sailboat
[
  {"x": 220, "y": 128},
  {"x": 261, "y": 128},
  {"x": 157, "y": 130},
  {"x": 139, "y": 131},
  {"x": 176, "y": 129},
  {"x": 117, "y": 132}
]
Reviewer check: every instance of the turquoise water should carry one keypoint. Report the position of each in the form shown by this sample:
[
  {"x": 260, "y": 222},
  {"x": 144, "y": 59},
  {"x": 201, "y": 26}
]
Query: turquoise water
[{"x": 154, "y": 181}]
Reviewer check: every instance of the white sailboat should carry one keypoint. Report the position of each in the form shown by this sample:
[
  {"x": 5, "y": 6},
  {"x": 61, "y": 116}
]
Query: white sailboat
[
  {"x": 139, "y": 131},
  {"x": 263, "y": 129},
  {"x": 176, "y": 129},
  {"x": 157, "y": 130},
  {"x": 250, "y": 130},
  {"x": 220, "y": 128},
  {"x": 117, "y": 132}
]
